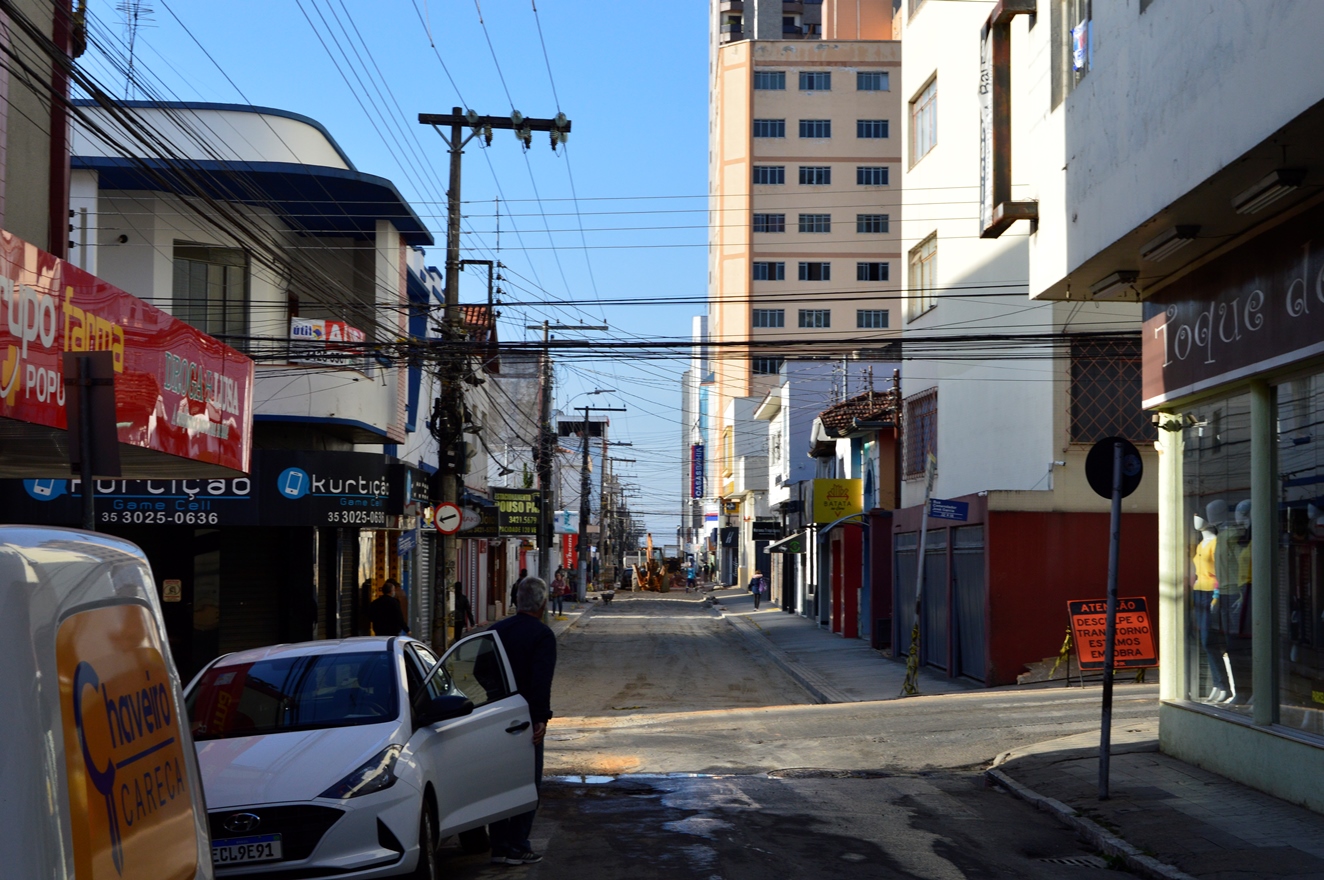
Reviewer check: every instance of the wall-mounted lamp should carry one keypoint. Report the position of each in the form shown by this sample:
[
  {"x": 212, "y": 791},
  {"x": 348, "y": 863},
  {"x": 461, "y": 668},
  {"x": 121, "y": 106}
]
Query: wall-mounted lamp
[
  {"x": 1169, "y": 422},
  {"x": 1168, "y": 243},
  {"x": 1265, "y": 192},
  {"x": 1118, "y": 285}
]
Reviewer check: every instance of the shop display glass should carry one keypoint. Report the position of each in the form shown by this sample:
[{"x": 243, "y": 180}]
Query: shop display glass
[
  {"x": 1299, "y": 610},
  {"x": 1216, "y": 516}
]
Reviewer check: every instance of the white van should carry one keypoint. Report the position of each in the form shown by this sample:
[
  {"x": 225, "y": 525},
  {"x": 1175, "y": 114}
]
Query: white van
[{"x": 98, "y": 777}]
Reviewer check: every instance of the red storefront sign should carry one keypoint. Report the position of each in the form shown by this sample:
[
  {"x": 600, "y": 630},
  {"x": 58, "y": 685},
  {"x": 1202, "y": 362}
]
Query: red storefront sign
[
  {"x": 177, "y": 390},
  {"x": 570, "y": 550}
]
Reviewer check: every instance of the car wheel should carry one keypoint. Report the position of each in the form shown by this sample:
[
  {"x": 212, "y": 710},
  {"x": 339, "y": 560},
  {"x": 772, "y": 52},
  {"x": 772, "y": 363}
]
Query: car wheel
[
  {"x": 475, "y": 841},
  {"x": 428, "y": 867}
]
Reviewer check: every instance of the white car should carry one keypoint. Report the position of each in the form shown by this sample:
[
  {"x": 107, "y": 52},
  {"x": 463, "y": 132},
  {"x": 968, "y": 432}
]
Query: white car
[{"x": 355, "y": 758}]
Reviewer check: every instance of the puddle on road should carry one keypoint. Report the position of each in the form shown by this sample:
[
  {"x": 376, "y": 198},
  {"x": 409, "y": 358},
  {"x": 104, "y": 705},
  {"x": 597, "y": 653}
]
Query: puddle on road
[{"x": 697, "y": 826}]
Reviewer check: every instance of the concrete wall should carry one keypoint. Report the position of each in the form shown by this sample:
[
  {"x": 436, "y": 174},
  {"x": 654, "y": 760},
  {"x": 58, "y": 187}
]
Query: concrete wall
[
  {"x": 1173, "y": 95},
  {"x": 1003, "y": 414}
]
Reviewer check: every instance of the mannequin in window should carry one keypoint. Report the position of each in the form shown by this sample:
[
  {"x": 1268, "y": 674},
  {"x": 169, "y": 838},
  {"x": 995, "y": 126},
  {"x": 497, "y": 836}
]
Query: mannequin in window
[
  {"x": 1205, "y": 597},
  {"x": 1234, "y": 574}
]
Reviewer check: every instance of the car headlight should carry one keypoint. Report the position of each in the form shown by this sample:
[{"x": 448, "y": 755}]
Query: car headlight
[{"x": 375, "y": 775}]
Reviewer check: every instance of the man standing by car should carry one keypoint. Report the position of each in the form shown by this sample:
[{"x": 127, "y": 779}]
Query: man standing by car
[
  {"x": 385, "y": 614},
  {"x": 531, "y": 648}
]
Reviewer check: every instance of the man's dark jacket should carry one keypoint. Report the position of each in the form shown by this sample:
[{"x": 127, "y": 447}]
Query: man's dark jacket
[
  {"x": 386, "y": 617},
  {"x": 531, "y": 647}
]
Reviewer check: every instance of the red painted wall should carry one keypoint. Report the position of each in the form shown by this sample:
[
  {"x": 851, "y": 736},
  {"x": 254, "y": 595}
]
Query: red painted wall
[
  {"x": 853, "y": 578},
  {"x": 1037, "y": 562}
]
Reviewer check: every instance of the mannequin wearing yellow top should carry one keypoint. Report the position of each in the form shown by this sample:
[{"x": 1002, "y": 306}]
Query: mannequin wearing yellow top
[{"x": 1205, "y": 596}]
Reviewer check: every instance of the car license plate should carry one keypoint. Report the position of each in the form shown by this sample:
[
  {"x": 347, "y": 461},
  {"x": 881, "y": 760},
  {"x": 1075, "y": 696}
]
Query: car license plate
[{"x": 237, "y": 850}]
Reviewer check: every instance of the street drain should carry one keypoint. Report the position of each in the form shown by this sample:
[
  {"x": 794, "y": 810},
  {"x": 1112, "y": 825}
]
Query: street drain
[
  {"x": 821, "y": 773},
  {"x": 1077, "y": 862}
]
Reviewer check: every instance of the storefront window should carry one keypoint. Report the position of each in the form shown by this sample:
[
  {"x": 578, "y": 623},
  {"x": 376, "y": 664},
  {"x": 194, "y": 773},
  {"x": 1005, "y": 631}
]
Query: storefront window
[
  {"x": 1216, "y": 488},
  {"x": 1300, "y": 607}
]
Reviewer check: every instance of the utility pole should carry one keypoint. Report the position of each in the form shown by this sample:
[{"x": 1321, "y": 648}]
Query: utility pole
[
  {"x": 544, "y": 453},
  {"x": 447, "y": 422},
  {"x": 584, "y": 489},
  {"x": 602, "y": 526}
]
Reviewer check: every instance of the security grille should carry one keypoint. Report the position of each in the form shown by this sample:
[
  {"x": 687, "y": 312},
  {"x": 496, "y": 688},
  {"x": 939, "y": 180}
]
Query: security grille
[
  {"x": 1105, "y": 392},
  {"x": 920, "y": 427}
]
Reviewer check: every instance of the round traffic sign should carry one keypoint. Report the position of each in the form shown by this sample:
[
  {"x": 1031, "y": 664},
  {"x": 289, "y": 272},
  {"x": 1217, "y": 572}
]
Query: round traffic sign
[
  {"x": 1099, "y": 467},
  {"x": 447, "y": 518}
]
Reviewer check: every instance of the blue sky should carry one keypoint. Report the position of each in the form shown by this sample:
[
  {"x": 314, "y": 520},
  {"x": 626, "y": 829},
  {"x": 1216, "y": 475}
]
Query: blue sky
[{"x": 631, "y": 75}]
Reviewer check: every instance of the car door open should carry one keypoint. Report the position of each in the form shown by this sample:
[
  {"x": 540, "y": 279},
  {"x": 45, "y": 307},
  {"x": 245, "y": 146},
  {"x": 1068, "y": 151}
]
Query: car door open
[{"x": 483, "y": 760}]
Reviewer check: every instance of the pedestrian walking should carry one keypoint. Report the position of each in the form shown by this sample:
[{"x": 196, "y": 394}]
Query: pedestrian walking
[
  {"x": 385, "y": 614},
  {"x": 559, "y": 589},
  {"x": 531, "y": 648},
  {"x": 464, "y": 615},
  {"x": 758, "y": 585}
]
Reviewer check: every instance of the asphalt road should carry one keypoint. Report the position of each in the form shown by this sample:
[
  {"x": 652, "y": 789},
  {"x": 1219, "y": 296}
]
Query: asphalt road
[{"x": 679, "y": 751}]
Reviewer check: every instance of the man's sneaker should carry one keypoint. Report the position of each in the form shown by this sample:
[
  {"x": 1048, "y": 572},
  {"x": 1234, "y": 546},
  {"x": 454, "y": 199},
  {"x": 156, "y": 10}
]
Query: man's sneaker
[
  {"x": 523, "y": 858},
  {"x": 498, "y": 856}
]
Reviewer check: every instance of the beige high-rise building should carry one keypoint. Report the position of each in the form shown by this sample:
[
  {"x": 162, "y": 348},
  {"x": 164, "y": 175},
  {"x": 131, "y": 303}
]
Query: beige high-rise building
[{"x": 804, "y": 174}]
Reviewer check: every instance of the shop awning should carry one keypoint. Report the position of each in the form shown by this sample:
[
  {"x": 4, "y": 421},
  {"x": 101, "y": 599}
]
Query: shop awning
[{"x": 790, "y": 544}]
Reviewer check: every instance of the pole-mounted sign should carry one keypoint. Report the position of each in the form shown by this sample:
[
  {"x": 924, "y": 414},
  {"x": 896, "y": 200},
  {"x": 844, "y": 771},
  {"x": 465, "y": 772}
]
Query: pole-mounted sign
[{"x": 1114, "y": 469}]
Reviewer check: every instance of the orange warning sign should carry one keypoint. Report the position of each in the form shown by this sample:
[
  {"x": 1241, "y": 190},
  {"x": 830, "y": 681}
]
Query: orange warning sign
[{"x": 1134, "y": 635}]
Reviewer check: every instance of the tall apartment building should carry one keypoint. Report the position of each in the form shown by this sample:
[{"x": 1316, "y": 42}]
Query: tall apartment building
[{"x": 803, "y": 161}]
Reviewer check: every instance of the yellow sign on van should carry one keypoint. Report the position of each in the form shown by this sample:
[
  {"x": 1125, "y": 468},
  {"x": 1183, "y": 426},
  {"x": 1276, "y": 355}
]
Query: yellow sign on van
[
  {"x": 130, "y": 806},
  {"x": 834, "y": 499}
]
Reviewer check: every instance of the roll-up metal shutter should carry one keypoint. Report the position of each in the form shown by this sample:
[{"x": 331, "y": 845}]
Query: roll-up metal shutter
[
  {"x": 250, "y": 597},
  {"x": 425, "y": 556}
]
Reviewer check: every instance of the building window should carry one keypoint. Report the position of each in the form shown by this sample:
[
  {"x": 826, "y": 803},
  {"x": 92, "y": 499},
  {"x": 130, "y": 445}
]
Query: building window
[
  {"x": 815, "y": 81},
  {"x": 871, "y": 175},
  {"x": 815, "y": 175},
  {"x": 769, "y": 175},
  {"x": 871, "y": 81},
  {"x": 766, "y": 366},
  {"x": 924, "y": 121},
  {"x": 815, "y": 272},
  {"x": 922, "y": 294},
  {"x": 871, "y": 271},
  {"x": 815, "y": 128},
  {"x": 865, "y": 223},
  {"x": 1105, "y": 392},
  {"x": 871, "y": 128},
  {"x": 815, "y": 222},
  {"x": 210, "y": 291},
  {"x": 769, "y": 271},
  {"x": 815, "y": 318},
  {"x": 1071, "y": 45},
  {"x": 920, "y": 427},
  {"x": 769, "y": 222},
  {"x": 769, "y": 317},
  {"x": 769, "y": 128},
  {"x": 770, "y": 80},
  {"x": 871, "y": 319}
]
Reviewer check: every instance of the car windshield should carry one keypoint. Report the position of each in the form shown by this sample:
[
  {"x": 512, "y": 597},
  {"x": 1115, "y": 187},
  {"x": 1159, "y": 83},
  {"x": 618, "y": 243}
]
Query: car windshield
[{"x": 294, "y": 693}]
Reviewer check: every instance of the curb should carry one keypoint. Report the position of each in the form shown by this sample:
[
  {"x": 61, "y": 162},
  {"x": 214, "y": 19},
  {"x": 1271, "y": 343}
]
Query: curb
[
  {"x": 814, "y": 684},
  {"x": 1091, "y": 832}
]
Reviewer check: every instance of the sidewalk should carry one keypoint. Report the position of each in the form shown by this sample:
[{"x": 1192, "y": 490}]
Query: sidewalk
[
  {"x": 833, "y": 669},
  {"x": 1164, "y": 818}
]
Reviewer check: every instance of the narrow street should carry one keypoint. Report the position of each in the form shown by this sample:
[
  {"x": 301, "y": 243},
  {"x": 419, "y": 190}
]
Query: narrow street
[{"x": 680, "y": 750}]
